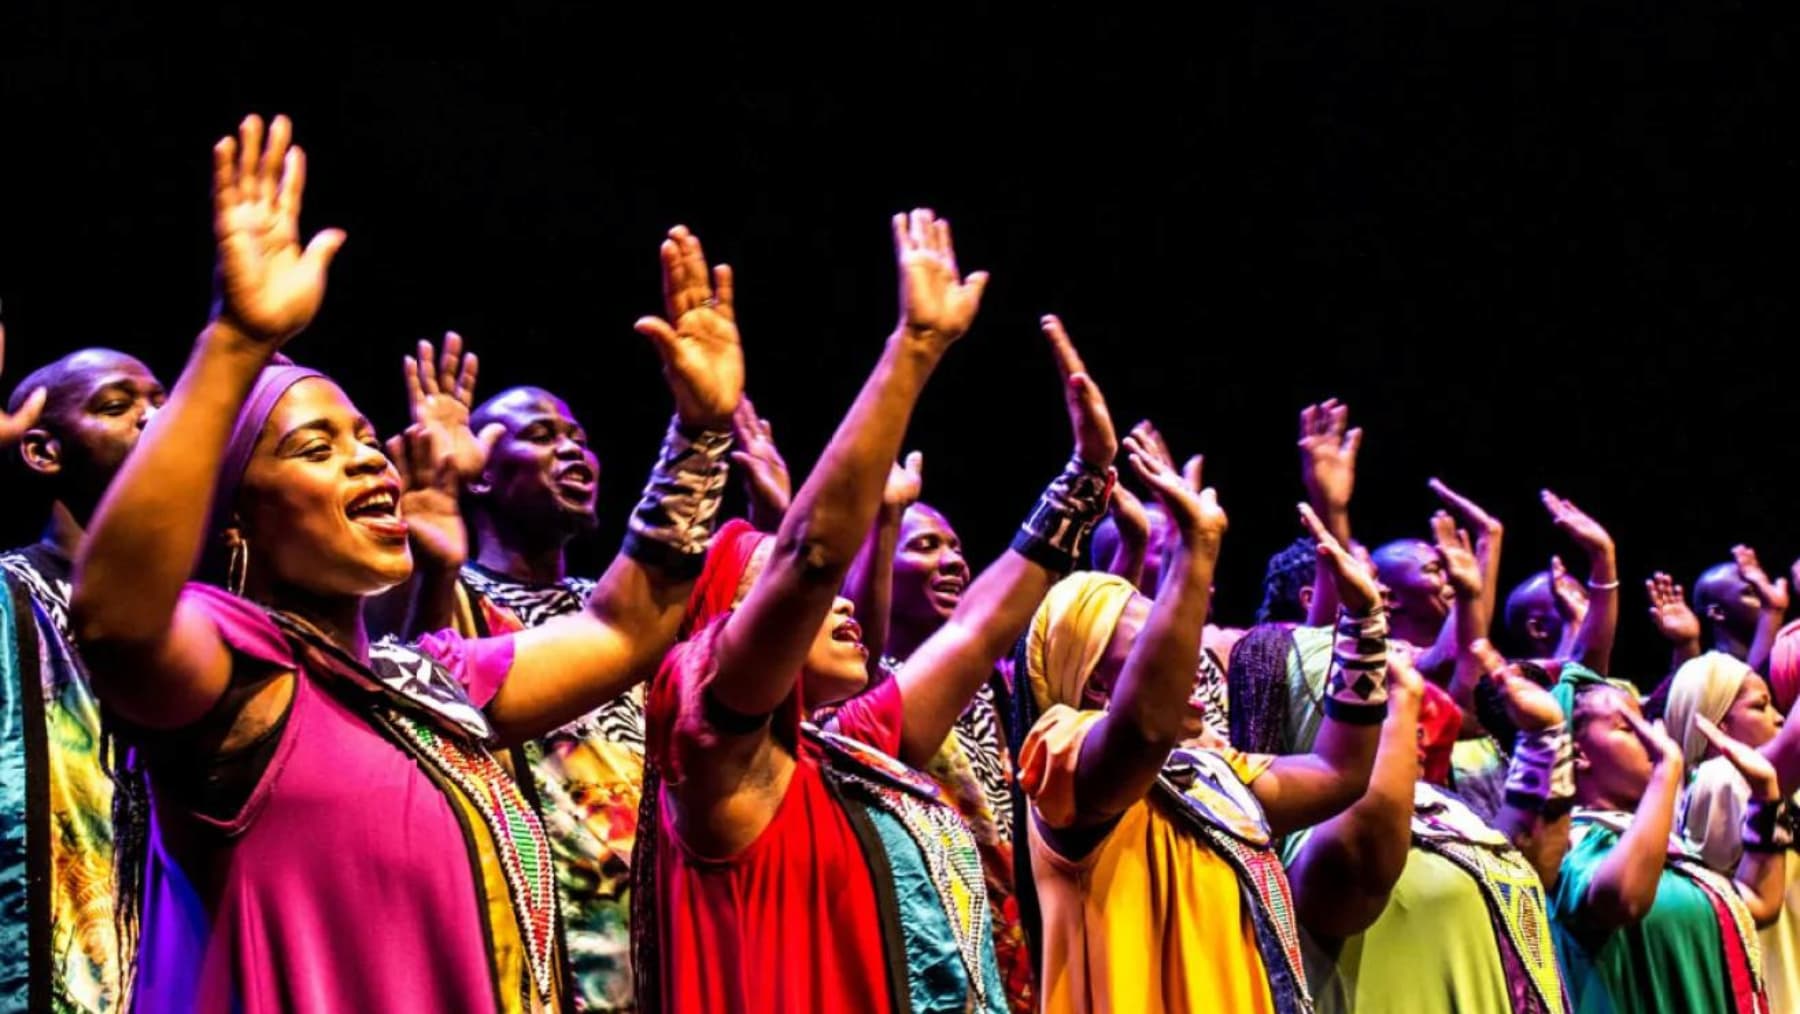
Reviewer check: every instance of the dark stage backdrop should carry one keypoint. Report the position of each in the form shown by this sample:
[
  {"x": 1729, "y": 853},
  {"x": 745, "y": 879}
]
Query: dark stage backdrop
[{"x": 1531, "y": 244}]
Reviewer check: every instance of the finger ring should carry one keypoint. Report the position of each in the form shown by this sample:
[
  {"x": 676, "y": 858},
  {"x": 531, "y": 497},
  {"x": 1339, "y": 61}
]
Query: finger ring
[{"x": 710, "y": 301}]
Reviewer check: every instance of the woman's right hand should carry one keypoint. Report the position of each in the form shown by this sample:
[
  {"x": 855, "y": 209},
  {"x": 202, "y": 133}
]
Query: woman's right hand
[{"x": 268, "y": 287}]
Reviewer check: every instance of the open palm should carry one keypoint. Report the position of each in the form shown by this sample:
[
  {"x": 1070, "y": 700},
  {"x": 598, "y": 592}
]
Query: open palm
[
  {"x": 698, "y": 341},
  {"x": 935, "y": 300},
  {"x": 268, "y": 285}
]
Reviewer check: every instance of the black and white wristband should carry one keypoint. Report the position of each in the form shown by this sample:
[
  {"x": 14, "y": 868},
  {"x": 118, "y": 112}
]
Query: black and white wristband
[
  {"x": 1357, "y": 689},
  {"x": 673, "y": 523},
  {"x": 1053, "y": 534},
  {"x": 1764, "y": 828},
  {"x": 1541, "y": 776}
]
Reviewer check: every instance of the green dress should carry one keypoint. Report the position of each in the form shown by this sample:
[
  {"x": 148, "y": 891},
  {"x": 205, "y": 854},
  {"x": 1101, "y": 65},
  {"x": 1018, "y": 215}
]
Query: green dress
[
  {"x": 1435, "y": 948},
  {"x": 1674, "y": 959}
]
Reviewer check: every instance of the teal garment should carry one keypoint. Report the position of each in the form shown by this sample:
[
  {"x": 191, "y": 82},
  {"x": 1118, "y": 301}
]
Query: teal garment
[
  {"x": 1672, "y": 960},
  {"x": 935, "y": 975},
  {"x": 15, "y": 921}
]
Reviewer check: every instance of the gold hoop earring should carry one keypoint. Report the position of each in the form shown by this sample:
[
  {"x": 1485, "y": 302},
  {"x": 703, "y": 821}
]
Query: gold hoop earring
[{"x": 237, "y": 566}]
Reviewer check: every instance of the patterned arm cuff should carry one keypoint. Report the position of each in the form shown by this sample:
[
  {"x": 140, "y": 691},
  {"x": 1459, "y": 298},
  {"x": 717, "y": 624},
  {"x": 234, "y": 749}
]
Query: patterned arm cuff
[
  {"x": 1357, "y": 691},
  {"x": 1053, "y": 533},
  {"x": 673, "y": 523},
  {"x": 1541, "y": 777},
  {"x": 1765, "y": 827}
]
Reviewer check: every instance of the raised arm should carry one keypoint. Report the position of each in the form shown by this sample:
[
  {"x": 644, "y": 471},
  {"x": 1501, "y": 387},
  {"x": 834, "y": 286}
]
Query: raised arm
[
  {"x": 14, "y": 424},
  {"x": 767, "y": 486},
  {"x": 1345, "y": 872},
  {"x": 1132, "y": 522},
  {"x": 1773, "y": 595},
  {"x": 1328, "y": 449},
  {"x": 1624, "y": 884},
  {"x": 1674, "y": 618},
  {"x": 1594, "y": 641},
  {"x": 573, "y": 664},
  {"x": 1468, "y": 620},
  {"x": 870, "y": 583},
  {"x": 1540, "y": 778},
  {"x": 1761, "y": 875},
  {"x": 158, "y": 665},
  {"x": 1488, "y": 532},
  {"x": 1149, "y": 709},
  {"x": 943, "y": 675},
  {"x": 1300, "y": 790},
  {"x": 763, "y": 644}
]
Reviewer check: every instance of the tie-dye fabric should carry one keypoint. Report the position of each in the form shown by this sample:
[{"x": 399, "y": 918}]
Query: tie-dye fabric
[{"x": 61, "y": 767}]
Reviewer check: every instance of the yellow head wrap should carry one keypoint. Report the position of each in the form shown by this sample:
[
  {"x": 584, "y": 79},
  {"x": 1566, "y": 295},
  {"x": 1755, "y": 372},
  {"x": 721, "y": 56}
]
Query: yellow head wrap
[
  {"x": 1069, "y": 634},
  {"x": 1705, "y": 685}
]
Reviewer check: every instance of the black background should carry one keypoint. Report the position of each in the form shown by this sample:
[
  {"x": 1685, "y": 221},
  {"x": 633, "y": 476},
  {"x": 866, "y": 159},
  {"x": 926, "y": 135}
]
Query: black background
[{"x": 1531, "y": 244}]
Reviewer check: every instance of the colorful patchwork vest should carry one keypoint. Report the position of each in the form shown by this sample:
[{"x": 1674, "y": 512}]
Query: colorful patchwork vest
[
  {"x": 952, "y": 858},
  {"x": 1446, "y": 827},
  {"x": 1220, "y": 808}
]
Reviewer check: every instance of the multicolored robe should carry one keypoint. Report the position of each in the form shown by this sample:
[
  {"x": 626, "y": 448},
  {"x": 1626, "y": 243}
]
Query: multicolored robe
[
  {"x": 585, "y": 781},
  {"x": 59, "y": 949}
]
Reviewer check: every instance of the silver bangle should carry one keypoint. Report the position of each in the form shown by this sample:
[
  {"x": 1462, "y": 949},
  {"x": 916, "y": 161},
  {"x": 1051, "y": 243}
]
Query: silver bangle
[{"x": 1612, "y": 585}]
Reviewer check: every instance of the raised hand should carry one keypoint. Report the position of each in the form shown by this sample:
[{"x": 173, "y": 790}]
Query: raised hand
[
  {"x": 1153, "y": 441},
  {"x": 698, "y": 341},
  {"x": 1588, "y": 533},
  {"x": 1194, "y": 511},
  {"x": 1460, "y": 565},
  {"x": 1669, "y": 610},
  {"x": 937, "y": 303},
  {"x": 14, "y": 425},
  {"x": 1357, "y": 589},
  {"x": 269, "y": 288},
  {"x": 1774, "y": 594},
  {"x": 1095, "y": 440},
  {"x": 906, "y": 480},
  {"x": 1765, "y": 784},
  {"x": 1328, "y": 455},
  {"x": 1530, "y": 707},
  {"x": 1467, "y": 512},
  {"x": 428, "y": 503},
  {"x": 1569, "y": 596},
  {"x": 440, "y": 392},
  {"x": 766, "y": 480}
]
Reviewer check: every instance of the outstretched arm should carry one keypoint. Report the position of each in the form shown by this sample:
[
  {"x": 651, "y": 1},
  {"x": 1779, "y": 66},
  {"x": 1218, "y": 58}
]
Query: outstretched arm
[
  {"x": 1348, "y": 867},
  {"x": 870, "y": 583},
  {"x": 572, "y": 665},
  {"x": 946, "y": 671},
  {"x": 1624, "y": 884},
  {"x": 156, "y": 664},
  {"x": 1150, "y": 710},
  {"x": 1594, "y": 641},
  {"x": 1328, "y": 449},
  {"x": 1300, "y": 790}
]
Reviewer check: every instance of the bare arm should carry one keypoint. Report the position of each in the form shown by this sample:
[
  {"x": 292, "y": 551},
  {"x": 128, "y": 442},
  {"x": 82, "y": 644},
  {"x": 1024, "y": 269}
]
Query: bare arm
[
  {"x": 946, "y": 671},
  {"x": 1328, "y": 449},
  {"x": 1540, "y": 780},
  {"x": 1594, "y": 642},
  {"x": 1761, "y": 879},
  {"x": 1624, "y": 884},
  {"x": 1348, "y": 867},
  {"x": 156, "y": 664},
  {"x": 1301, "y": 790},
  {"x": 1149, "y": 708},
  {"x": 870, "y": 583},
  {"x": 1773, "y": 596},
  {"x": 1489, "y": 534},
  {"x": 1133, "y": 525}
]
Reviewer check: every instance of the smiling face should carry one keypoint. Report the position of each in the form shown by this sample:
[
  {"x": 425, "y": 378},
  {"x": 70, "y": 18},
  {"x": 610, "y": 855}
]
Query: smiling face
[
  {"x": 319, "y": 504},
  {"x": 930, "y": 574},
  {"x": 1414, "y": 584},
  {"x": 541, "y": 475}
]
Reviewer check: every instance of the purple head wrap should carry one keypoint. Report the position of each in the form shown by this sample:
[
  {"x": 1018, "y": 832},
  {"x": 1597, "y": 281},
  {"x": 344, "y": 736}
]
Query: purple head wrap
[{"x": 271, "y": 384}]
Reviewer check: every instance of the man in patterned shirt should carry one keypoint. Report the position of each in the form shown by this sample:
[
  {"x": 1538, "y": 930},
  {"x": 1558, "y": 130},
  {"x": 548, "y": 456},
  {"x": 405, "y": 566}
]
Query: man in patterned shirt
[
  {"x": 535, "y": 495},
  {"x": 59, "y": 949}
]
